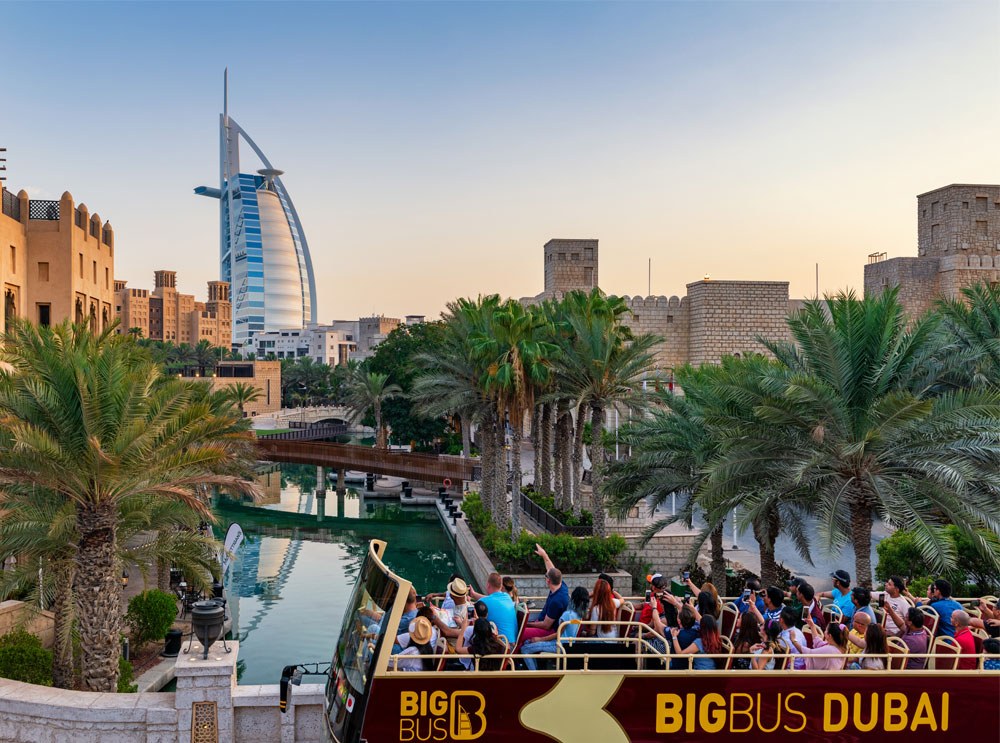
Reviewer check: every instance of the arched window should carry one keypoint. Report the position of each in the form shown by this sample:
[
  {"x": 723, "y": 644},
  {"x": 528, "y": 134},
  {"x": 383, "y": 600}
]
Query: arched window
[{"x": 9, "y": 307}]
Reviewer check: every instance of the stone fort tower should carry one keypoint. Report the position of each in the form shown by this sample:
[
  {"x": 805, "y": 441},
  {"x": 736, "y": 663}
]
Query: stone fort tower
[
  {"x": 958, "y": 245},
  {"x": 715, "y": 319}
]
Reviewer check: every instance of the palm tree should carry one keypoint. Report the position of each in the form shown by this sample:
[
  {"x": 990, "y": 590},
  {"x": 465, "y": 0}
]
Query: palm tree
[
  {"x": 367, "y": 391},
  {"x": 89, "y": 418},
  {"x": 971, "y": 335},
  {"x": 242, "y": 394},
  {"x": 857, "y": 429}
]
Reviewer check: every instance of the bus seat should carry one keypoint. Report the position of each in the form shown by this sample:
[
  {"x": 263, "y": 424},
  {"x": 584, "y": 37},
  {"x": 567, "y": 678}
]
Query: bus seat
[
  {"x": 945, "y": 654},
  {"x": 729, "y": 622},
  {"x": 931, "y": 619},
  {"x": 626, "y": 613},
  {"x": 898, "y": 650}
]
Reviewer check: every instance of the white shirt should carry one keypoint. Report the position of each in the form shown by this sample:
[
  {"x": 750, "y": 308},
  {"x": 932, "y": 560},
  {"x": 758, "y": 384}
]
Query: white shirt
[
  {"x": 466, "y": 660},
  {"x": 414, "y": 660},
  {"x": 608, "y": 632},
  {"x": 899, "y": 605},
  {"x": 403, "y": 640}
]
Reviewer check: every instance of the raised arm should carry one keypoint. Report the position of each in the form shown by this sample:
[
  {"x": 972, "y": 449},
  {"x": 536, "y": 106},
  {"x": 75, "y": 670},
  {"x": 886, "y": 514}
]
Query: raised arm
[
  {"x": 540, "y": 551},
  {"x": 897, "y": 620}
]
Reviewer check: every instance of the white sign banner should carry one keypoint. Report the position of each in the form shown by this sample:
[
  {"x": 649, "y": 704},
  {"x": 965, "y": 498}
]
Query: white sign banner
[{"x": 234, "y": 539}]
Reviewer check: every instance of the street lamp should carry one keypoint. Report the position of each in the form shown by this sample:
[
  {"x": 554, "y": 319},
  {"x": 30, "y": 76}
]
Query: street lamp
[{"x": 207, "y": 620}]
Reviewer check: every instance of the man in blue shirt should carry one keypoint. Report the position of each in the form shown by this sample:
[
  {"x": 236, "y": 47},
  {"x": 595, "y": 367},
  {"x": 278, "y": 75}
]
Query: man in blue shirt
[
  {"x": 501, "y": 608},
  {"x": 555, "y": 603},
  {"x": 841, "y": 593},
  {"x": 861, "y": 599},
  {"x": 753, "y": 586},
  {"x": 940, "y": 600}
]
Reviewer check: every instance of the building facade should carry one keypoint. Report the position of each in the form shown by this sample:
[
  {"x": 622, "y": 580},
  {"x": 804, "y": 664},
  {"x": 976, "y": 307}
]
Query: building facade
[
  {"x": 164, "y": 314},
  {"x": 265, "y": 376},
  {"x": 958, "y": 245},
  {"x": 714, "y": 319},
  {"x": 263, "y": 253},
  {"x": 324, "y": 344},
  {"x": 56, "y": 262}
]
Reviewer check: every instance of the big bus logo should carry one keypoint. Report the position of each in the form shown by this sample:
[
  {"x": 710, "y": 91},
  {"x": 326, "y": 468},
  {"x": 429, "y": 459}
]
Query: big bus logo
[{"x": 437, "y": 716}]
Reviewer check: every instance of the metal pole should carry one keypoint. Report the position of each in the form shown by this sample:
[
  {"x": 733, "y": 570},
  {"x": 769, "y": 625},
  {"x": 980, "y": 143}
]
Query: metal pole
[
  {"x": 616, "y": 433},
  {"x": 735, "y": 545}
]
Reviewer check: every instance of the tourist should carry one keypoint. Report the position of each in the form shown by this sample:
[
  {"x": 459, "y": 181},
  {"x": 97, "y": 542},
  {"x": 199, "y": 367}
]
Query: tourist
[
  {"x": 481, "y": 611},
  {"x": 992, "y": 649},
  {"x": 751, "y": 595},
  {"x": 989, "y": 619},
  {"x": 446, "y": 600},
  {"x": 555, "y": 603},
  {"x": 861, "y": 599},
  {"x": 457, "y": 599},
  {"x": 939, "y": 598},
  {"x": 667, "y": 612},
  {"x": 747, "y": 639},
  {"x": 686, "y": 639},
  {"x": 913, "y": 633},
  {"x": 419, "y": 648},
  {"x": 706, "y": 605},
  {"x": 611, "y": 582},
  {"x": 503, "y": 612},
  {"x": 774, "y": 603},
  {"x": 811, "y": 607},
  {"x": 574, "y": 613},
  {"x": 856, "y": 637},
  {"x": 767, "y": 650},
  {"x": 826, "y": 654},
  {"x": 965, "y": 639},
  {"x": 483, "y": 642},
  {"x": 510, "y": 588},
  {"x": 707, "y": 641},
  {"x": 793, "y": 594},
  {"x": 791, "y": 635},
  {"x": 603, "y": 608},
  {"x": 841, "y": 593},
  {"x": 894, "y": 605},
  {"x": 873, "y": 649}
]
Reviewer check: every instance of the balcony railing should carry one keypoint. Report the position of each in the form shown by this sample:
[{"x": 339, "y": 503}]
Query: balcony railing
[
  {"x": 43, "y": 209},
  {"x": 11, "y": 205},
  {"x": 550, "y": 523}
]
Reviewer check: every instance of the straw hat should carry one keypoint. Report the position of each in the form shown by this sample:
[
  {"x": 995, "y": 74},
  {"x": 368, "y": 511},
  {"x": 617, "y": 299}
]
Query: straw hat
[
  {"x": 420, "y": 631},
  {"x": 457, "y": 587}
]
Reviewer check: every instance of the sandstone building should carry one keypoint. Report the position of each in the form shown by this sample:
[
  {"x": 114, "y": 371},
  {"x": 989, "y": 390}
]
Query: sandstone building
[
  {"x": 165, "y": 314},
  {"x": 958, "y": 245},
  {"x": 715, "y": 319},
  {"x": 264, "y": 375},
  {"x": 56, "y": 261}
]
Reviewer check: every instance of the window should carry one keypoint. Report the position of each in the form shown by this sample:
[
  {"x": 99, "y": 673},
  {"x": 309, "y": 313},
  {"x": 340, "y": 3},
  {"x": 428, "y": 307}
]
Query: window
[
  {"x": 562, "y": 256},
  {"x": 95, "y": 272},
  {"x": 588, "y": 276},
  {"x": 935, "y": 233},
  {"x": 43, "y": 271},
  {"x": 936, "y": 209},
  {"x": 980, "y": 228},
  {"x": 670, "y": 319},
  {"x": 576, "y": 257},
  {"x": 965, "y": 204},
  {"x": 81, "y": 265},
  {"x": 980, "y": 203},
  {"x": 107, "y": 277},
  {"x": 588, "y": 254},
  {"x": 13, "y": 259}
]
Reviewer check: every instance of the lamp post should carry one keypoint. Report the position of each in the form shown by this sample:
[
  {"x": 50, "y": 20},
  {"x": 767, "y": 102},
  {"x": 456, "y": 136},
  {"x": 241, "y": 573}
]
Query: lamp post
[{"x": 207, "y": 620}]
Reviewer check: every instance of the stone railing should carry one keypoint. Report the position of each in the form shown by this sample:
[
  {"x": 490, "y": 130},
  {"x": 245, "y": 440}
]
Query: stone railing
[{"x": 207, "y": 698}]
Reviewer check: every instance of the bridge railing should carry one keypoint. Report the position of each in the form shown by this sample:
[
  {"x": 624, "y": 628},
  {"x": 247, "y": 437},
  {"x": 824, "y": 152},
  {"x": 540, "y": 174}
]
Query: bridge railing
[{"x": 312, "y": 433}]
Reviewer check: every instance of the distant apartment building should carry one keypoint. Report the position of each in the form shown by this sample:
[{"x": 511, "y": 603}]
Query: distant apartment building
[
  {"x": 164, "y": 314},
  {"x": 264, "y": 375},
  {"x": 56, "y": 261},
  {"x": 324, "y": 344}
]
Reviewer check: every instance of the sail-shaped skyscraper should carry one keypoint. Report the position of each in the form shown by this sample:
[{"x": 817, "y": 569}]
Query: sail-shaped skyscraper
[{"x": 263, "y": 252}]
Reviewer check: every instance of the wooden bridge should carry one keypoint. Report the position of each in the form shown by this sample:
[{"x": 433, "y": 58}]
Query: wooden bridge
[{"x": 426, "y": 467}]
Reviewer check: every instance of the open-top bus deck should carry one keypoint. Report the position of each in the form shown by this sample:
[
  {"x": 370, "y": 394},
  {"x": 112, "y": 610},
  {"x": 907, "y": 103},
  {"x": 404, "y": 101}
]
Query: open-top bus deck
[{"x": 616, "y": 691}]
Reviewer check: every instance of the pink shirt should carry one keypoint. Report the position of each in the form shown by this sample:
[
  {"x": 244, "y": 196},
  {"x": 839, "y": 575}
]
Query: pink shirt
[{"x": 823, "y": 664}]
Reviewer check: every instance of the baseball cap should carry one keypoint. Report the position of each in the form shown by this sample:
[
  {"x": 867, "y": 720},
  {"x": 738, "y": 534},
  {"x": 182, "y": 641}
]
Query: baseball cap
[{"x": 842, "y": 575}]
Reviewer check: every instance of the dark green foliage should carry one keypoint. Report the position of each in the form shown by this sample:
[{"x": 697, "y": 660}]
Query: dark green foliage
[
  {"x": 150, "y": 615},
  {"x": 125, "y": 674},
  {"x": 974, "y": 573},
  {"x": 570, "y": 554},
  {"x": 22, "y": 658},
  {"x": 566, "y": 517}
]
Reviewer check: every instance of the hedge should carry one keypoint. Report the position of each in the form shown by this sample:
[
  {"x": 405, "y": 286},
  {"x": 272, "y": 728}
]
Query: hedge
[
  {"x": 973, "y": 575},
  {"x": 22, "y": 658},
  {"x": 570, "y": 554}
]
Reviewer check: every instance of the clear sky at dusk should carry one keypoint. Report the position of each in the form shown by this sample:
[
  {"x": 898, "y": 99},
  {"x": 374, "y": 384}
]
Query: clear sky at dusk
[{"x": 432, "y": 148}]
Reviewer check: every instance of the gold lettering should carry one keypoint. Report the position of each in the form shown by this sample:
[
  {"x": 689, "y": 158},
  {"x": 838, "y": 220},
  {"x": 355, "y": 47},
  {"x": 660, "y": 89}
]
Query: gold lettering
[
  {"x": 406, "y": 726},
  {"x": 924, "y": 714},
  {"x": 829, "y": 726},
  {"x": 408, "y": 703},
  {"x": 712, "y": 720},
  {"x": 423, "y": 737},
  {"x": 668, "y": 718},
  {"x": 460, "y": 713},
  {"x": 440, "y": 727},
  {"x": 895, "y": 712},
  {"x": 438, "y": 703},
  {"x": 689, "y": 709},
  {"x": 777, "y": 715},
  {"x": 788, "y": 708},
  {"x": 944, "y": 711},
  {"x": 864, "y": 727},
  {"x": 733, "y": 712}
]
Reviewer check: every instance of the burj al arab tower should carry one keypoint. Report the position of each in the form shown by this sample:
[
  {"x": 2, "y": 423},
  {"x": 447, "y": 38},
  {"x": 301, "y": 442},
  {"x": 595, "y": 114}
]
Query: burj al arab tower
[{"x": 263, "y": 252}]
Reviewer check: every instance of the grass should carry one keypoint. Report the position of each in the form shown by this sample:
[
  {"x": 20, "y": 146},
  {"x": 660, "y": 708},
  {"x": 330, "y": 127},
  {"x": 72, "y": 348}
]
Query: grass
[{"x": 263, "y": 431}]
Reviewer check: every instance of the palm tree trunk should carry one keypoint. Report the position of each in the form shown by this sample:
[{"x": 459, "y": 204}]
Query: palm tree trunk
[
  {"x": 718, "y": 560},
  {"x": 566, "y": 465},
  {"x": 487, "y": 462},
  {"x": 577, "y": 476},
  {"x": 466, "y": 425},
  {"x": 861, "y": 538},
  {"x": 766, "y": 535},
  {"x": 543, "y": 457},
  {"x": 378, "y": 426},
  {"x": 557, "y": 459},
  {"x": 502, "y": 510},
  {"x": 98, "y": 581},
  {"x": 596, "y": 465},
  {"x": 163, "y": 575},
  {"x": 515, "y": 488},
  {"x": 535, "y": 445},
  {"x": 62, "y": 608}
]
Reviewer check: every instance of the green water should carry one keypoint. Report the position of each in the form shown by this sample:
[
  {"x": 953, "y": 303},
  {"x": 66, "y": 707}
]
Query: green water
[{"x": 289, "y": 586}]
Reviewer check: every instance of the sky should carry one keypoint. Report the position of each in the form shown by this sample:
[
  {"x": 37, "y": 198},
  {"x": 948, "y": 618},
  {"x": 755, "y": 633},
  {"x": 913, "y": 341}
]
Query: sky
[{"x": 431, "y": 149}]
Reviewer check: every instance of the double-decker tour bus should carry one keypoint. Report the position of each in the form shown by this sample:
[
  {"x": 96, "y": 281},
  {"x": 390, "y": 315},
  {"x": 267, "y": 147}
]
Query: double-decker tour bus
[{"x": 616, "y": 691}]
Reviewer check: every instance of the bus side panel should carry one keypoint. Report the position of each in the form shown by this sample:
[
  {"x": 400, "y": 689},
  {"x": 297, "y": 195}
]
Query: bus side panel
[{"x": 706, "y": 706}]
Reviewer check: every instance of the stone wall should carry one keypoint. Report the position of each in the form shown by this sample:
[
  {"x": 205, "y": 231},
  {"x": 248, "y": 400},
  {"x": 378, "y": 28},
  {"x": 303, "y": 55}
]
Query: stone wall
[
  {"x": 14, "y": 614},
  {"x": 959, "y": 219},
  {"x": 917, "y": 279},
  {"x": 569, "y": 265},
  {"x": 727, "y": 316},
  {"x": 667, "y": 318}
]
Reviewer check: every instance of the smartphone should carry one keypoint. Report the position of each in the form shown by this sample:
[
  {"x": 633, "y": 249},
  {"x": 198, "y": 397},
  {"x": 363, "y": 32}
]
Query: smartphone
[
  {"x": 881, "y": 601},
  {"x": 746, "y": 595},
  {"x": 687, "y": 575},
  {"x": 687, "y": 596},
  {"x": 649, "y": 597},
  {"x": 805, "y": 613}
]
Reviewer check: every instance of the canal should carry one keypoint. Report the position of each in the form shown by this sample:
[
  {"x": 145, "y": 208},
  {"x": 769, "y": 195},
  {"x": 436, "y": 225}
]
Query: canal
[{"x": 289, "y": 586}]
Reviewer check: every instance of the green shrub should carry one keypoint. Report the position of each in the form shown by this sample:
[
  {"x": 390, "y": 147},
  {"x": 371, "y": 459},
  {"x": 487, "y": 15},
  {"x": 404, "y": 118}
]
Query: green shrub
[
  {"x": 150, "y": 615},
  {"x": 549, "y": 504},
  {"x": 571, "y": 554},
  {"x": 974, "y": 574},
  {"x": 125, "y": 673},
  {"x": 22, "y": 658}
]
